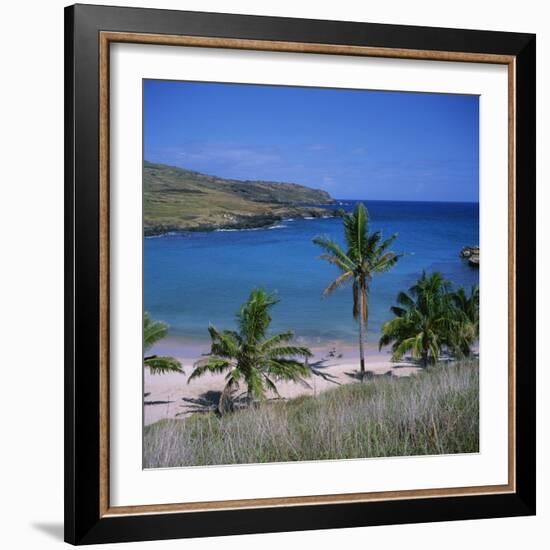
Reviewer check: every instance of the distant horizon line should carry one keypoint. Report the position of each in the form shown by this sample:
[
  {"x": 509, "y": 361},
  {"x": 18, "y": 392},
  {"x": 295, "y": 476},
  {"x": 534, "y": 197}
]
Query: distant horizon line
[{"x": 406, "y": 200}]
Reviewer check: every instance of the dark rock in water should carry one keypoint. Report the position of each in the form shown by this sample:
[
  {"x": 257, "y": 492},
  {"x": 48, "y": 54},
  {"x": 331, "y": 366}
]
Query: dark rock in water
[
  {"x": 471, "y": 253},
  {"x": 468, "y": 251}
]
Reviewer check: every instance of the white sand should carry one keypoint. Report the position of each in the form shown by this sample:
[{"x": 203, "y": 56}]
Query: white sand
[{"x": 170, "y": 396}]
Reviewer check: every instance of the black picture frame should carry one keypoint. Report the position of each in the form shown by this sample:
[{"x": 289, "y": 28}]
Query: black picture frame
[{"x": 83, "y": 522}]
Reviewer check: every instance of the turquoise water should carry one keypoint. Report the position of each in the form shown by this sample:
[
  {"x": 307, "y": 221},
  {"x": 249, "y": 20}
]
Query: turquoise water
[{"x": 193, "y": 279}]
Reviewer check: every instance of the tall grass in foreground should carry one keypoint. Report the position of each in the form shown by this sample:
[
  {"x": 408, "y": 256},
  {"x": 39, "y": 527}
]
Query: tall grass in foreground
[{"x": 435, "y": 412}]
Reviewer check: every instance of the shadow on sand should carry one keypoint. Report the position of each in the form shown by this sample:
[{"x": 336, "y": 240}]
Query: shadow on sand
[
  {"x": 370, "y": 375},
  {"x": 316, "y": 370},
  {"x": 206, "y": 402}
]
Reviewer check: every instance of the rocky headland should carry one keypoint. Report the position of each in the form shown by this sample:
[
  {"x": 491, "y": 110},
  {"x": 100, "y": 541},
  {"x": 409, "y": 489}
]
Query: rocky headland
[{"x": 176, "y": 199}]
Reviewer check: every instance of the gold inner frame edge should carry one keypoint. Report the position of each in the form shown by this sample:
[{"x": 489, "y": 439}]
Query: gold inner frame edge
[{"x": 105, "y": 39}]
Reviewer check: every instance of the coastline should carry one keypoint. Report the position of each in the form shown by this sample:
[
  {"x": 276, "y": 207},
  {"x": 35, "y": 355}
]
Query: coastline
[
  {"x": 177, "y": 199},
  {"x": 333, "y": 364},
  {"x": 238, "y": 222}
]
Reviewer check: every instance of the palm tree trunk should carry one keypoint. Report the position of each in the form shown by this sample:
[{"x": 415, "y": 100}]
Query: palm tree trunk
[
  {"x": 425, "y": 357},
  {"x": 361, "y": 334}
]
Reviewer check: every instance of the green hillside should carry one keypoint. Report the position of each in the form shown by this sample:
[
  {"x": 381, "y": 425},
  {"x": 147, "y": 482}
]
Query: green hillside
[{"x": 178, "y": 199}]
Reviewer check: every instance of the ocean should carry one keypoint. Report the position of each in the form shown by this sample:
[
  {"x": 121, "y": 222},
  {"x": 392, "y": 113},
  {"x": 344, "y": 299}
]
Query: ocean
[{"x": 192, "y": 279}]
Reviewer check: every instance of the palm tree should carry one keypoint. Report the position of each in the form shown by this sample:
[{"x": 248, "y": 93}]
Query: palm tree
[
  {"x": 465, "y": 329},
  {"x": 250, "y": 355},
  {"x": 153, "y": 331},
  {"x": 366, "y": 254},
  {"x": 423, "y": 320}
]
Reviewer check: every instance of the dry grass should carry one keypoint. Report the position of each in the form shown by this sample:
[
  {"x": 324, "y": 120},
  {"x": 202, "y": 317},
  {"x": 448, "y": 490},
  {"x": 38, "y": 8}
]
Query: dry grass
[{"x": 435, "y": 412}]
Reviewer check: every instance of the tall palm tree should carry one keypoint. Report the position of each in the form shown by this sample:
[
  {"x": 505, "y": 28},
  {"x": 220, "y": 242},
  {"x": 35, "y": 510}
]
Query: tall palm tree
[
  {"x": 465, "y": 329},
  {"x": 250, "y": 355},
  {"x": 423, "y": 320},
  {"x": 153, "y": 331},
  {"x": 366, "y": 254}
]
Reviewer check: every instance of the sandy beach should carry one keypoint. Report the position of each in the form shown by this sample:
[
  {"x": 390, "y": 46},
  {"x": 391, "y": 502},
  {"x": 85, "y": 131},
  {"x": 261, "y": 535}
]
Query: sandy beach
[{"x": 171, "y": 396}]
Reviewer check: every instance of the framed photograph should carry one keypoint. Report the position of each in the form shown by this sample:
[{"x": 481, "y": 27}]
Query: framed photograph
[{"x": 300, "y": 274}]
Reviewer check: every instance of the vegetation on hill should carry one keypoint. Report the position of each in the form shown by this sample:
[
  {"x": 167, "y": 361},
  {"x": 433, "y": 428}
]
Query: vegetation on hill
[
  {"x": 177, "y": 199},
  {"x": 435, "y": 412}
]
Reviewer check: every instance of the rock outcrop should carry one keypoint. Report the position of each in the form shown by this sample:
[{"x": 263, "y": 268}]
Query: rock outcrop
[
  {"x": 471, "y": 253},
  {"x": 175, "y": 199}
]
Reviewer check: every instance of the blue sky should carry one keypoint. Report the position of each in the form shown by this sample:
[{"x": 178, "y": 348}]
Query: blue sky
[{"x": 355, "y": 144}]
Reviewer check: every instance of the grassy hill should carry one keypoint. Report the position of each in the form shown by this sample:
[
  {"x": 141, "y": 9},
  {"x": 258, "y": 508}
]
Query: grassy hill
[{"x": 179, "y": 199}]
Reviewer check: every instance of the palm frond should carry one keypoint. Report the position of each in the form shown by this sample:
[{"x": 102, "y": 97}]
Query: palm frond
[
  {"x": 371, "y": 245},
  {"x": 276, "y": 340},
  {"x": 384, "y": 245},
  {"x": 287, "y": 369},
  {"x": 403, "y": 347},
  {"x": 355, "y": 231},
  {"x": 405, "y": 300},
  {"x": 254, "y": 317},
  {"x": 335, "y": 261},
  {"x": 433, "y": 347},
  {"x": 271, "y": 385},
  {"x": 398, "y": 311},
  {"x": 153, "y": 331},
  {"x": 385, "y": 262},
  {"x": 162, "y": 365},
  {"x": 288, "y": 351},
  {"x": 396, "y": 329},
  {"x": 338, "y": 282},
  {"x": 418, "y": 345},
  {"x": 255, "y": 384},
  {"x": 335, "y": 250},
  {"x": 209, "y": 364},
  {"x": 224, "y": 344}
]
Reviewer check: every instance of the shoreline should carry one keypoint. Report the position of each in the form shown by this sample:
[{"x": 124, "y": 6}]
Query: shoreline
[
  {"x": 240, "y": 222},
  {"x": 333, "y": 364}
]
